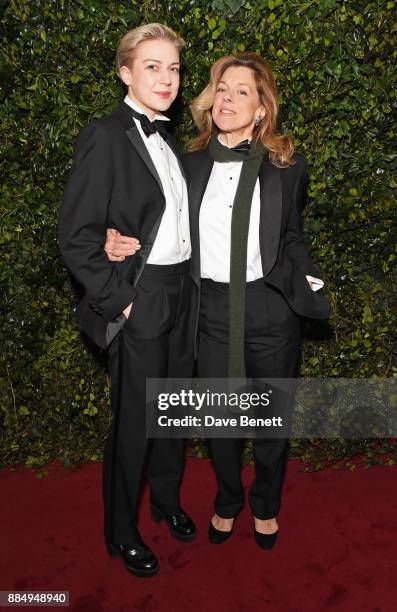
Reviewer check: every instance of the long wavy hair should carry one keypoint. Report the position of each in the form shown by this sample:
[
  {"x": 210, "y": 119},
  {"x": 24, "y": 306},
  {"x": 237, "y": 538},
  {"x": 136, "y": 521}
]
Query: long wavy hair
[{"x": 279, "y": 146}]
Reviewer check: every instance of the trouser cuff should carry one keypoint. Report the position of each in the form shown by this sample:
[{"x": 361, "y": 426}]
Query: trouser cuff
[
  {"x": 228, "y": 511},
  {"x": 265, "y": 514}
]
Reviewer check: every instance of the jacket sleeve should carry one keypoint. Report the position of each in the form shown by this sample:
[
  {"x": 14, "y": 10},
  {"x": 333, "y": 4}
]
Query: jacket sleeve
[
  {"x": 83, "y": 221},
  {"x": 294, "y": 240}
]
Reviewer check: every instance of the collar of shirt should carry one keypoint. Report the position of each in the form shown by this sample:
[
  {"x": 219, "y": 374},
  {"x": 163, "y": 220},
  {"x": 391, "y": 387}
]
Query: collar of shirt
[
  {"x": 138, "y": 109},
  {"x": 225, "y": 145}
]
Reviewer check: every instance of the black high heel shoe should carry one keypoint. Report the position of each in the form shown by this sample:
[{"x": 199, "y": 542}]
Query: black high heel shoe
[
  {"x": 218, "y": 537},
  {"x": 265, "y": 540}
]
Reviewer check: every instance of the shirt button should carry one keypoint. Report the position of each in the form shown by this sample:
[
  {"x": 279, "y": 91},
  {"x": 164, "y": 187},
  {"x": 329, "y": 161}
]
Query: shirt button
[
  {"x": 230, "y": 206},
  {"x": 231, "y": 178}
]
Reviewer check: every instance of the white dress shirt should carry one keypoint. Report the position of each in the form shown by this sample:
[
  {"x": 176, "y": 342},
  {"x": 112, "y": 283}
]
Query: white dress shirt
[
  {"x": 172, "y": 244},
  {"x": 215, "y": 227}
]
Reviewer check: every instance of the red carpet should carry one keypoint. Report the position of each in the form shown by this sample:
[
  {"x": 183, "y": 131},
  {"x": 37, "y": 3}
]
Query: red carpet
[{"x": 337, "y": 548}]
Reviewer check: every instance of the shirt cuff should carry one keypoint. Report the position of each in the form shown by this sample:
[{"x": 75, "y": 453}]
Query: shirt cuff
[{"x": 315, "y": 283}]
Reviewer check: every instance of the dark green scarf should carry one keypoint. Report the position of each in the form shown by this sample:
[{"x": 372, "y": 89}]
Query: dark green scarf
[{"x": 252, "y": 160}]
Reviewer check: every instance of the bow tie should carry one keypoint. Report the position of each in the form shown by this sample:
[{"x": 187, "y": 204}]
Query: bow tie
[
  {"x": 242, "y": 147},
  {"x": 151, "y": 127}
]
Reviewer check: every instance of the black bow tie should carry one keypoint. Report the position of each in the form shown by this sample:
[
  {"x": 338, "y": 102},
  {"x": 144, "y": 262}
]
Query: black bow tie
[
  {"x": 242, "y": 147},
  {"x": 151, "y": 127}
]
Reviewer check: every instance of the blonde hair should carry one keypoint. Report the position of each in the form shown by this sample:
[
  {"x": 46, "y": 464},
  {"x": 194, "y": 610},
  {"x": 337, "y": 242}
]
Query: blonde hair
[
  {"x": 125, "y": 53},
  {"x": 280, "y": 146}
]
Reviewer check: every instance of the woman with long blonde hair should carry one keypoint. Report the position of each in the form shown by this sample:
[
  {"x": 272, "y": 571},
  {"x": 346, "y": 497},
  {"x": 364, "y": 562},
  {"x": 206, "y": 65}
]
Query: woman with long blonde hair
[{"x": 247, "y": 189}]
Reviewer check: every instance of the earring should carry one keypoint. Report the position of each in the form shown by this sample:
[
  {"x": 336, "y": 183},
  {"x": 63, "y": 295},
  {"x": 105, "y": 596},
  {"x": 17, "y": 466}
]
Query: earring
[{"x": 258, "y": 120}]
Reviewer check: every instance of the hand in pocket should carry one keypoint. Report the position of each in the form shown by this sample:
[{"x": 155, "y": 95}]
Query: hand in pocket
[{"x": 127, "y": 311}]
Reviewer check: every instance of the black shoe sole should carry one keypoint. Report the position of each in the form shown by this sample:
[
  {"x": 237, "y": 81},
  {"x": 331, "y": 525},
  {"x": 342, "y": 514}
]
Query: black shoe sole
[
  {"x": 157, "y": 517},
  {"x": 113, "y": 552}
]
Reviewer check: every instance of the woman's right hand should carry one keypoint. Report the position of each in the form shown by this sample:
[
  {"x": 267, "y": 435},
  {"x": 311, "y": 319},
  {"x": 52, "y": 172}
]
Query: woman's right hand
[{"x": 118, "y": 247}]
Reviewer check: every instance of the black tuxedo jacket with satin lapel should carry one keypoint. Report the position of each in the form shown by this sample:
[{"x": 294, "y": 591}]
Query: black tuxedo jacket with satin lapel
[
  {"x": 285, "y": 259},
  {"x": 113, "y": 183}
]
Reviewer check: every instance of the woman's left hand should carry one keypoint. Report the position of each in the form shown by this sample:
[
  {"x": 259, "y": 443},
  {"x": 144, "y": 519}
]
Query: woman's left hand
[{"x": 118, "y": 247}]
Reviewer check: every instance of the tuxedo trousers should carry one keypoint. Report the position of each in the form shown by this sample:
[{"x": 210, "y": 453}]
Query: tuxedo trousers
[
  {"x": 272, "y": 339},
  {"x": 155, "y": 342}
]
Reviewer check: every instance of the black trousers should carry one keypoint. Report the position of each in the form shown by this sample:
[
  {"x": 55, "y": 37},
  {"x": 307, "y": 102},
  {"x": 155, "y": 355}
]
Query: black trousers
[
  {"x": 155, "y": 342},
  {"x": 272, "y": 338}
]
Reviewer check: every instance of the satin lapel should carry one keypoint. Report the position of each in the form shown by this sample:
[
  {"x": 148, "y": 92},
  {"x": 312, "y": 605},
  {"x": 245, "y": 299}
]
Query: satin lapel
[
  {"x": 270, "y": 216},
  {"x": 196, "y": 191},
  {"x": 123, "y": 114},
  {"x": 136, "y": 140}
]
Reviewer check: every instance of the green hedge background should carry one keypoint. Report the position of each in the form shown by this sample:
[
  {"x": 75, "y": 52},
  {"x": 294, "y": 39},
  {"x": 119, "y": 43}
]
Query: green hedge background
[{"x": 334, "y": 62}]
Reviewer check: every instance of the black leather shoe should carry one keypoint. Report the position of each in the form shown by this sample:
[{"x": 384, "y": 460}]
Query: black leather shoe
[
  {"x": 179, "y": 523},
  {"x": 216, "y": 536},
  {"x": 265, "y": 540},
  {"x": 137, "y": 558}
]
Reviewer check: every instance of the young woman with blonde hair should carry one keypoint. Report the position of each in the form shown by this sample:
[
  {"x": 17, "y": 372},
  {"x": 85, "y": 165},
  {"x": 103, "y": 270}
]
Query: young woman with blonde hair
[{"x": 127, "y": 174}]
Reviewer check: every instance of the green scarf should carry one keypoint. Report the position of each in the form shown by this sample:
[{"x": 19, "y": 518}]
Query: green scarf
[{"x": 252, "y": 160}]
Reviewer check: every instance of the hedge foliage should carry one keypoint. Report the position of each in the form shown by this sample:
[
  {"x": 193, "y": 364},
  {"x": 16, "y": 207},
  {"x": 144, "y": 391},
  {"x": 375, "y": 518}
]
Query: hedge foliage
[{"x": 334, "y": 62}]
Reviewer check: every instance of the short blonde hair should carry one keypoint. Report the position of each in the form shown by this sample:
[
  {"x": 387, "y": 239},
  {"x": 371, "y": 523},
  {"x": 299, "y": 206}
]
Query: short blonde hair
[{"x": 125, "y": 53}]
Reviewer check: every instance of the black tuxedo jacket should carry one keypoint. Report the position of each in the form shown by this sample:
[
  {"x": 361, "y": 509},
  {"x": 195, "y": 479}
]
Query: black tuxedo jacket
[
  {"x": 285, "y": 259},
  {"x": 113, "y": 183}
]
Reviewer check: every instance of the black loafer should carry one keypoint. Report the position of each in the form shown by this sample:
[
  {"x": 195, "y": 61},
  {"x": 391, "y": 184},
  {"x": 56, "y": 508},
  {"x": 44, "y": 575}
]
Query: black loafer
[
  {"x": 179, "y": 523},
  {"x": 216, "y": 536},
  {"x": 265, "y": 540},
  {"x": 137, "y": 558}
]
